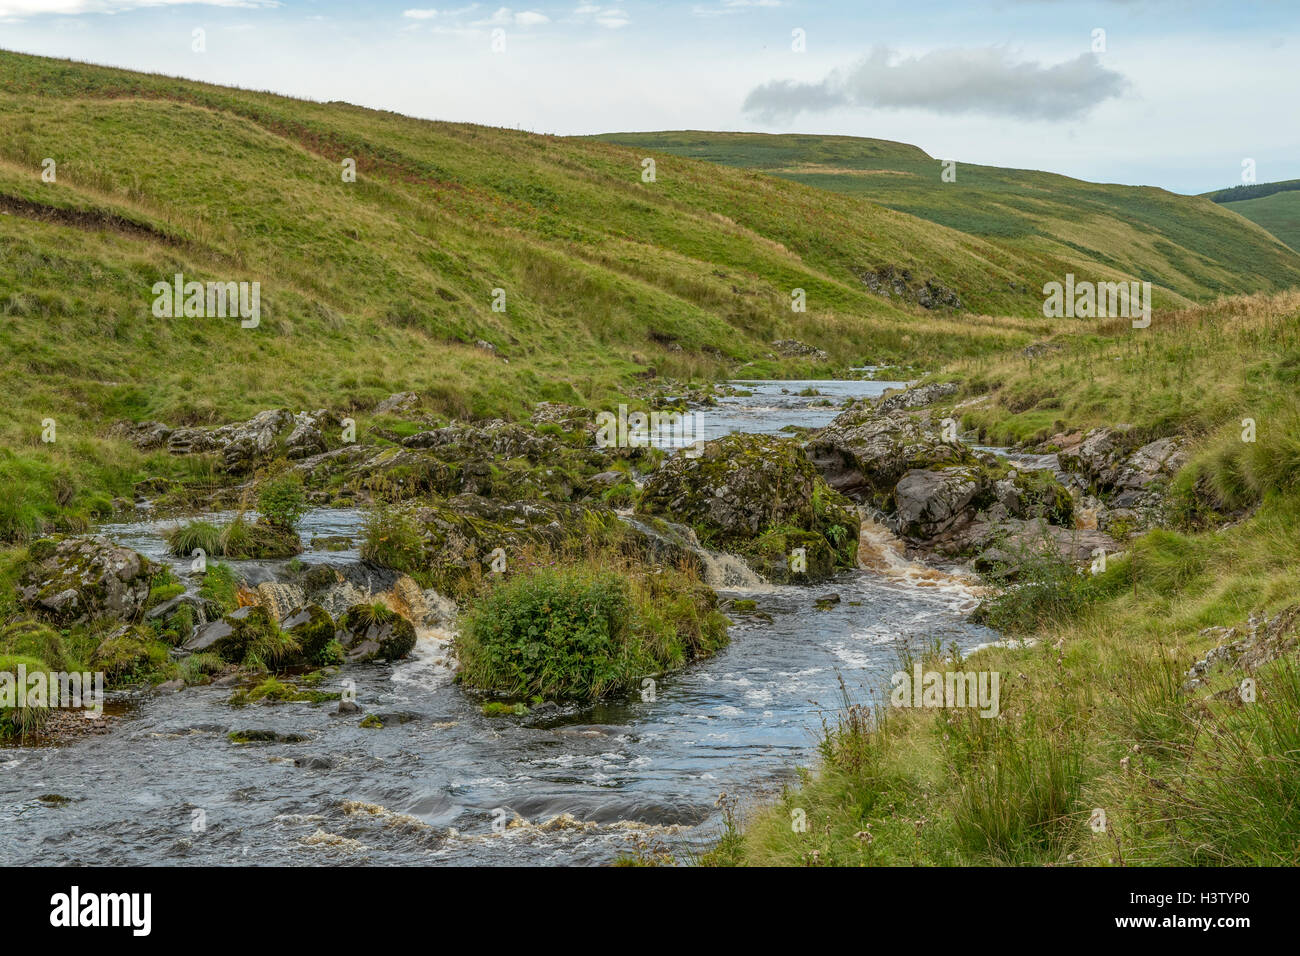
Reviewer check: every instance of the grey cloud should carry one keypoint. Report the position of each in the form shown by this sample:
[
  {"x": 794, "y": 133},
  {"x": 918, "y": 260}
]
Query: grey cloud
[{"x": 948, "y": 81}]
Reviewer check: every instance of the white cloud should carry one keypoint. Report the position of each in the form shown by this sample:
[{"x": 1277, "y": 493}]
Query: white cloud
[
  {"x": 420, "y": 14},
  {"x": 733, "y": 6},
  {"x": 957, "y": 80},
  {"x": 14, "y": 9},
  {"x": 505, "y": 17},
  {"x": 609, "y": 17}
]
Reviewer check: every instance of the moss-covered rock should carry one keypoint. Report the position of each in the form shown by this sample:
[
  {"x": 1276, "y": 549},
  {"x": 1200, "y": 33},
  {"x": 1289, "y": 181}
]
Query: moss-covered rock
[
  {"x": 736, "y": 488},
  {"x": 275, "y": 691},
  {"x": 863, "y": 453},
  {"x": 374, "y": 632},
  {"x": 450, "y": 544},
  {"x": 83, "y": 578},
  {"x": 760, "y": 496},
  {"x": 793, "y": 557},
  {"x": 249, "y": 636},
  {"x": 313, "y": 629}
]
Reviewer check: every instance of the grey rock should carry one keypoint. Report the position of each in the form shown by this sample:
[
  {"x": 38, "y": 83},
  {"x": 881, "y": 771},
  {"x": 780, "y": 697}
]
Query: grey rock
[
  {"x": 397, "y": 402},
  {"x": 85, "y": 578}
]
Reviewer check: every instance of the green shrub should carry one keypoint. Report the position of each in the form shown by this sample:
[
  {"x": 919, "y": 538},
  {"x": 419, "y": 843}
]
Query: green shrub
[
  {"x": 1036, "y": 586},
  {"x": 584, "y": 631},
  {"x": 130, "y": 656},
  {"x": 556, "y": 633},
  {"x": 282, "y": 502},
  {"x": 392, "y": 540}
]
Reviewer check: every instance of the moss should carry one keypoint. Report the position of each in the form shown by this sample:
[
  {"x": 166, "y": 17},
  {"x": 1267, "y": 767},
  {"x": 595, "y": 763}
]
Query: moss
[
  {"x": 256, "y": 641},
  {"x": 130, "y": 656},
  {"x": 274, "y": 691},
  {"x": 257, "y": 736},
  {"x": 219, "y": 585},
  {"x": 371, "y": 722},
  {"x": 784, "y": 497},
  {"x": 495, "y": 708},
  {"x": 394, "y": 634},
  {"x": 41, "y": 549},
  {"x": 774, "y": 557},
  {"x": 160, "y": 594},
  {"x": 33, "y": 639},
  {"x": 315, "y": 635},
  {"x": 1045, "y": 497}
]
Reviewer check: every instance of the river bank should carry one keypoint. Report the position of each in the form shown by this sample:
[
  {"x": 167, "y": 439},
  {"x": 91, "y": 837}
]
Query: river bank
[{"x": 1150, "y": 717}]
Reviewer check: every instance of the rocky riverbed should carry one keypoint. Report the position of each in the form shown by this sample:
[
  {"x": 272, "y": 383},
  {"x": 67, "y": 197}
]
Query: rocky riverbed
[{"x": 832, "y": 555}]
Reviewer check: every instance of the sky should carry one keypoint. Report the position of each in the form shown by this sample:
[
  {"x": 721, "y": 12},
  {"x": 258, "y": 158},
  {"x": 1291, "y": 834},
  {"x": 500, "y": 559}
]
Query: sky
[{"x": 1171, "y": 93}]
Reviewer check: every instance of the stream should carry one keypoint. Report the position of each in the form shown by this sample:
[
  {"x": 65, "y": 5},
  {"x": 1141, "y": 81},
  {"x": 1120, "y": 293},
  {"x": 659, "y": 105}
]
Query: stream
[{"x": 434, "y": 785}]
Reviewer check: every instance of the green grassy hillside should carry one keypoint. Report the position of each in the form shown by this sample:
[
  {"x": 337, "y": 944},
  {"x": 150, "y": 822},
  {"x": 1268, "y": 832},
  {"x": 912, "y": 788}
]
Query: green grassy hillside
[
  {"x": 1185, "y": 243},
  {"x": 1277, "y": 212}
]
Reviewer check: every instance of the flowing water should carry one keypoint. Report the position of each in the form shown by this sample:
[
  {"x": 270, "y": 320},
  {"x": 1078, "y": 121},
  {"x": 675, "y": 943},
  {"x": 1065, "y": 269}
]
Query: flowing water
[{"x": 441, "y": 783}]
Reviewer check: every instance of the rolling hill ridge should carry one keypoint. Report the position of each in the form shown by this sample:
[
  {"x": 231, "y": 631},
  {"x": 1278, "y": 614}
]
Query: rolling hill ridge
[{"x": 1184, "y": 243}]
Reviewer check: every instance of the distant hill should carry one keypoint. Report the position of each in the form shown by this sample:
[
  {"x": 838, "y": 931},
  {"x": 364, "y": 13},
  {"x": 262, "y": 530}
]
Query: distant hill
[
  {"x": 1185, "y": 243},
  {"x": 1275, "y": 206}
]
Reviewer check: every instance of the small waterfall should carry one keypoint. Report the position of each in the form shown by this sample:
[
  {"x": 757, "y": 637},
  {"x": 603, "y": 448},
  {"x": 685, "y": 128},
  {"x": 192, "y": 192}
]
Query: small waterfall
[
  {"x": 726, "y": 571},
  {"x": 666, "y": 541},
  {"x": 279, "y": 598},
  {"x": 883, "y": 552}
]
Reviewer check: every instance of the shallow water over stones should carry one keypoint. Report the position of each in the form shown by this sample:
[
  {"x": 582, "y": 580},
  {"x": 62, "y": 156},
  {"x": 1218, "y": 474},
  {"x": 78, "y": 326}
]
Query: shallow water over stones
[{"x": 441, "y": 782}]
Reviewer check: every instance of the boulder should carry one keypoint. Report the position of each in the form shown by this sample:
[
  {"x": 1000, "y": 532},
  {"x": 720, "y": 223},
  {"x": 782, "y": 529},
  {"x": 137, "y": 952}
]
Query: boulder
[
  {"x": 83, "y": 578},
  {"x": 899, "y": 281},
  {"x": 304, "y": 441},
  {"x": 739, "y": 487},
  {"x": 928, "y": 503},
  {"x": 917, "y": 397},
  {"x": 397, "y": 403},
  {"x": 1147, "y": 468},
  {"x": 143, "y": 435},
  {"x": 793, "y": 348},
  {"x": 568, "y": 417},
  {"x": 1099, "y": 458},
  {"x": 313, "y": 629},
  {"x": 235, "y": 634},
  {"x": 209, "y": 636},
  {"x": 372, "y": 632},
  {"x": 241, "y": 445},
  {"x": 863, "y": 453},
  {"x": 759, "y": 496}
]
